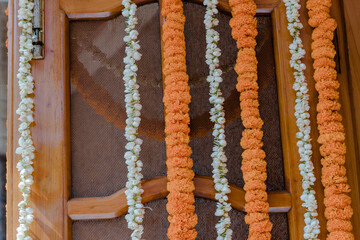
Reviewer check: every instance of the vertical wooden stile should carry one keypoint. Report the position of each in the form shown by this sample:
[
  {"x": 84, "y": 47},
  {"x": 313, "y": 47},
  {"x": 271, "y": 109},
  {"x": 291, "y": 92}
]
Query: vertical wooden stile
[
  {"x": 51, "y": 187},
  {"x": 286, "y": 95}
]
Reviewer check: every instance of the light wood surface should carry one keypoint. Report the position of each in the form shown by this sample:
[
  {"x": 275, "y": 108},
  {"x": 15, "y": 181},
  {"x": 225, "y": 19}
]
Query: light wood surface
[
  {"x": 154, "y": 189},
  {"x": 95, "y": 9},
  {"x": 350, "y": 103},
  {"x": 287, "y": 97},
  {"x": 288, "y": 127},
  {"x": 51, "y": 187},
  {"x": 351, "y": 25}
]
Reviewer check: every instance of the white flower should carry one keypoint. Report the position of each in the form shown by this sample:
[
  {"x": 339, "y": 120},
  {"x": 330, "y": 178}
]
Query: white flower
[
  {"x": 133, "y": 107},
  {"x": 217, "y": 116},
  {"x": 25, "y": 112},
  {"x": 312, "y": 227}
]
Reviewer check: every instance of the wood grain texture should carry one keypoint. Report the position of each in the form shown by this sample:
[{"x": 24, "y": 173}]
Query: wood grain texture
[
  {"x": 288, "y": 127},
  {"x": 154, "y": 189},
  {"x": 349, "y": 99},
  {"x": 51, "y": 186},
  {"x": 96, "y": 9},
  {"x": 286, "y": 94},
  {"x": 12, "y": 134},
  {"x": 350, "y": 24}
]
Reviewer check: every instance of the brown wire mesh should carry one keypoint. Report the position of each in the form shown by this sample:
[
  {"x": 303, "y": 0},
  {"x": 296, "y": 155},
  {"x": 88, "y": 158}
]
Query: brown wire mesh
[
  {"x": 98, "y": 117},
  {"x": 156, "y": 224},
  {"x": 97, "y": 104}
]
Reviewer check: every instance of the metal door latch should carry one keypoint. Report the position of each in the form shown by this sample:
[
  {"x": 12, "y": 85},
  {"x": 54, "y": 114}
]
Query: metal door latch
[{"x": 38, "y": 29}]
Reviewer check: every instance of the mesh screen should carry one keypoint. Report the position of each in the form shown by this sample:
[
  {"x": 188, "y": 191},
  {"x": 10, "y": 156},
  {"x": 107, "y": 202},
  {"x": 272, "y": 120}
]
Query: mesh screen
[
  {"x": 98, "y": 117},
  {"x": 156, "y": 224},
  {"x": 97, "y": 104}
]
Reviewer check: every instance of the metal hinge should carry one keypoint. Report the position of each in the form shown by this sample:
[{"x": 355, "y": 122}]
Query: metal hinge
[{"x": 38, "y": 27}]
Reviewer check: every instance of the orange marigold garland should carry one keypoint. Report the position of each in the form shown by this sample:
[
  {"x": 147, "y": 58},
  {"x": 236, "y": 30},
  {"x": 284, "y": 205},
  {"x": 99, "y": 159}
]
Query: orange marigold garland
[
  {"x": 244, "y": 31},
  {"x": 177, "y": 97},
  {"x": 7, "y": 27},
  {"x": 338, "y": 211}
]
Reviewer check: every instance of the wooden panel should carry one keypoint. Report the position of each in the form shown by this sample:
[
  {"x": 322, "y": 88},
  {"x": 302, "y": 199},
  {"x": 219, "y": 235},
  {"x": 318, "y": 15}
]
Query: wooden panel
[
  {"x": 51, "y": 131},
  {"x": 287, "y": 97},
  {"x": 91, "y": 9},
  {"x": 351, "y": 14},
  {"x": 12, "y": 134},
  {"x": 154, "y": 189},
  {"x": 349, "y": 87}
]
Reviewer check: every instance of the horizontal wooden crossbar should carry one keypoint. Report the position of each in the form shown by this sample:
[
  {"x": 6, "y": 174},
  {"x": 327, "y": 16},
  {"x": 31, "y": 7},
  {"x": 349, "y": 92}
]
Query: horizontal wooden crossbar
[
  {"x": 154, "y": 189},
  {"x": 95, "y": 9}
]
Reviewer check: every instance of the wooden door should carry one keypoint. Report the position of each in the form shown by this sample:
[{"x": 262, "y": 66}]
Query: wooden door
[{"x": 58, "y": 210}]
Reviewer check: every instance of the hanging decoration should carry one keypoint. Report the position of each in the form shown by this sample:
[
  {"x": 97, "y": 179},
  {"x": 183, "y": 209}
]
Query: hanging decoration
[
  {"x": 177, "y": 97},
  {"x": 338, "y": 211},
  {"x": 180, "y": 206},
  {"x": 25, "y": 111},
  {"x": 218, "y": 118},
  {"x": 244, "y": 31},
  {"x": 133, "y": 107},
  {"x": 306, "y": 167},
  {"x": 7, "y": 29}
]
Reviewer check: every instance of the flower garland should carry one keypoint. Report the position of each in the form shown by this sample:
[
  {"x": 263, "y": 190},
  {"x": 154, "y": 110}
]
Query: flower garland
[
  {"x": 133, "y": 107},
  {"x": 7, "y": 29},
  {"x": 338, "y": 211},
  {"x": 26, "y": 147},
  {"x": 312, "y": 226},
  {"x": 243, "y": 25},
  {"x": 218, "y": 118},
  {"x": 176, "y": 100}
]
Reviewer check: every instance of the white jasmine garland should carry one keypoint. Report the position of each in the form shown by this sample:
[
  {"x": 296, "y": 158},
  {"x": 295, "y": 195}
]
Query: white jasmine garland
[
  {"x": 132, "y": 103},
  {"x": 218, "y": 118},
  {"x": 26, "y": 147},
  {"x": 306, "y": 167}
]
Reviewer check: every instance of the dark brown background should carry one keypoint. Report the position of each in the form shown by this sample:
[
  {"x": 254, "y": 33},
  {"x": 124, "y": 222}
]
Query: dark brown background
[{"x": 98, "y": 167}]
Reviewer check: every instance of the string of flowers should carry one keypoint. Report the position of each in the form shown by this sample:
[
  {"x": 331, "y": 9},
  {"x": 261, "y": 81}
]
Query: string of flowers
[
  {"x": 25, "y": 111},
  {"x": 133, "y": 107},
  {"x": 177, "y": 97},
  {"x": 7, "y": 28},
  {"x": 218, "y": 118},
  {"x": 306, "y": 167},
  {"x": 338, "y": 211},
  {"x": 244, "y": 31}
]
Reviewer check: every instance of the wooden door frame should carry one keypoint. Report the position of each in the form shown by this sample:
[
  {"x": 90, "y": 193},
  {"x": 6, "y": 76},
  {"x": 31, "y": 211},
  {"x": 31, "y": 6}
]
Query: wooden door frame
[{"x": 51, "y": 133}]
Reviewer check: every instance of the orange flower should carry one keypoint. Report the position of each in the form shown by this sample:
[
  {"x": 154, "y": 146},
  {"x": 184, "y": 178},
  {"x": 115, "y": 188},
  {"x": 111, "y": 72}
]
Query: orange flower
[
  {"x": 183, "y": 162},
  {"x": 338, "y": 211},
  {"x": 7, "y": 27},
  {"x": 253, "y": 164},
  {"x": 244, "y": 31},
  {"x": 176, "y": 99}
]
